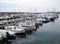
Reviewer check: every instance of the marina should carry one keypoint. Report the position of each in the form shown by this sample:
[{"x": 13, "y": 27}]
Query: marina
[
  {"x": 13, "y": 26},
  {"x": 29, "y": 21}
]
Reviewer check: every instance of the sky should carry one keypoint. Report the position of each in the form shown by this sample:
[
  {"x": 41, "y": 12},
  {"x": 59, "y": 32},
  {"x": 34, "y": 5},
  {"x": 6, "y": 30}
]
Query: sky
[{"x": 29, "y": 5}]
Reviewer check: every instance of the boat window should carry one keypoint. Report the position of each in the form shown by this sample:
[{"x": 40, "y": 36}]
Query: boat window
[
  {"x": 24, "y": 26},
  {"x": 28, "y": 23},
  {"x": 10, "y": 28}
]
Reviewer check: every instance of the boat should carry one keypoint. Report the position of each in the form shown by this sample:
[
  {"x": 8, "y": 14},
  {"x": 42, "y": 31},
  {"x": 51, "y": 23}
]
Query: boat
[
  {"x": 38, "y": 21},
  {"x": 8, "y": 34},
  {"x": 45, "y": 20},
  {"x": 30, "y": 26},
  {"x": 16, "y": 29},
  {"x": 51, "y": 15},
  {"x": 51, "y": 18}
]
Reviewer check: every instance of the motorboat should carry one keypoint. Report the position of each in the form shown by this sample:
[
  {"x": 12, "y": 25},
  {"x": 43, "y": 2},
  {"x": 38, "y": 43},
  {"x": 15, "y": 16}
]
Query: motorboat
[
  {"x": 39, "y": 21},
  {"x": 28, "y": 24},
  {"x": 16, "y": 29},
  {"x": 7, "y": 34}
]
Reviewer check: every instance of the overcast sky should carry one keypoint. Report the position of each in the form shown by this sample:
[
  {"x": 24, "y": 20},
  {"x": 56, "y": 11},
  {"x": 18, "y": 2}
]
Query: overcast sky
[{"x": 29, "y": 5}]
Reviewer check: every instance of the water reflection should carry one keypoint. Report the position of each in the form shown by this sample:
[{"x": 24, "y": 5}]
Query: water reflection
[
  {"x": 29, "y": 33},
  {"x": 6, "y": 41},
  {"x": 21, "y": 35},
  {"x": 24, "y": 35}
]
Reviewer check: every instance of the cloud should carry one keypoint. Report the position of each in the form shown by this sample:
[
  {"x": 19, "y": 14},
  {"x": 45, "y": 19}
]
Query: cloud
[
  {"x": 18, "y": 1},
  {"x": 24, "y": 5}
]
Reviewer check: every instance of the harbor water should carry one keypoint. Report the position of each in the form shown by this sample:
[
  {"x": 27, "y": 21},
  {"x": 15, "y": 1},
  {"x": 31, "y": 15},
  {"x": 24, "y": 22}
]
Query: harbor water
[{"x": 48, "y": 33}]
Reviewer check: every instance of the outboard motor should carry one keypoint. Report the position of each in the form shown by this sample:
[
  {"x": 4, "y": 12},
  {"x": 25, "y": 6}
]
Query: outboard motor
[
  {"x": 10, "y": 37},
  {"x": 7, "y": 35},
  {"x": 6, "y": 40}
]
